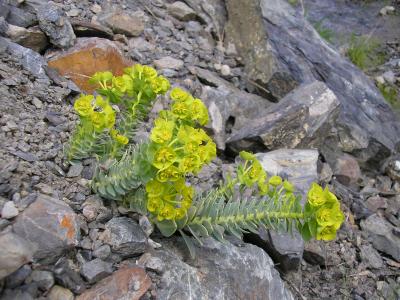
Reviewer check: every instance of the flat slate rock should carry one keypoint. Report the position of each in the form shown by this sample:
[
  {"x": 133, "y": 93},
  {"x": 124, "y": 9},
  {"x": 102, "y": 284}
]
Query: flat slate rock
[{"x": 219, "y": 271}]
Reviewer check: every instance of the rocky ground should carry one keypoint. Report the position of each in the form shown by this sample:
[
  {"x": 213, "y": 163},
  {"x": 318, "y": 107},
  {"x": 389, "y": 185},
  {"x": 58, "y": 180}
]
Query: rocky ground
[{"x": 271, "y": 84}]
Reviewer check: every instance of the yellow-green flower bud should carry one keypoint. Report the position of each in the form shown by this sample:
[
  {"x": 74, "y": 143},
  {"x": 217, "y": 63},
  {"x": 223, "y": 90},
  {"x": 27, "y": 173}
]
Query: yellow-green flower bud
[
  {"x": 288, "y": 186},
  {"x": 275, "y": 181}
]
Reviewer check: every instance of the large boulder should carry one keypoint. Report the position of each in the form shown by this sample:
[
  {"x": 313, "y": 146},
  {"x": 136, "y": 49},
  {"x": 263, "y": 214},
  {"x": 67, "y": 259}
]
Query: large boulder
[
  {"x": 219, "y": 271},
  {"x": 245, "y": 28},
  {"x": 366, "y": 125},
  {"x": 304, "y": 118},
  {"x": 230, "y": 108}
]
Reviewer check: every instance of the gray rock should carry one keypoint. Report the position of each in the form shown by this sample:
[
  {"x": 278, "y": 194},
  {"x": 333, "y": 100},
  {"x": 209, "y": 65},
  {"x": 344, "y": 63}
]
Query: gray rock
[
  {"x": 3, "y": 26},
  {"x": 4, "y": 9},
  {"x": 66, "y": 275},
  {"x": 169, "y": 62},
  {"x": 210, "y": 12},
  {"x": 326, "y": 173},
  {"x": 124, "y": 23},
  {"x": 298, "y": 166},
  {"x": 375, "y": 203},
  {"x": 383, "y": 235},
  {"x": 284, "y": 248},
  {"x": 29, "y": 59},
  {"x": 302, "y": 119},
  {"x": 18, "y": 277},
  {"x": 91, "y": 207},
  {"x": 389, "y": 76},
  {"x": 181, "y": 11},
  {"x": 96, "y": 8},
  {"x": 49, "y": 224},
  {"x": 220, "y": 271},
  {"x": 9, "y": 210},
  {"x": 366, "y": 126},
  {"x": 16, "y": 294},
  {"x": 54, "y": 118},
  {"x": 125, "y": 237},
  {"x": 43, "y": 279},
  {"x": 229, "y": 108},
  {"x": 28, "y": 156},
  {"x": 14, "y": 252},
  {"x": 102, "y": 252},
  {"x": 246, "y": 30},
  {"x": 21, "y": 18},
  {"x": 347, "y": 170},
  {"x": 32, "y": 37},
  {"x": 59, "y": 293},
  {"x": 314, "y": 254},
  {"x": 371, "y": 257},
  {"x": 75, "y": 170},
  {"x": 55, "y": 24},
  {"x": 392, "y": 167},
  {"x": 96, "y": 270}
]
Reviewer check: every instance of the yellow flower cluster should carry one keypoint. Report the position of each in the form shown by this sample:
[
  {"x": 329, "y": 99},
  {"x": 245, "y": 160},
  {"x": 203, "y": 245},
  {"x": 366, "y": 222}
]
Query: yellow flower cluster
[
  {"x": 178, "y": 149},
  {"x": 137, "y": 81},
  {"x": 97, "y": 110},
  {"x": 253, "y": 173},
  {"x": 326, "y": 209},
  {"x": 140, "y": 81}
]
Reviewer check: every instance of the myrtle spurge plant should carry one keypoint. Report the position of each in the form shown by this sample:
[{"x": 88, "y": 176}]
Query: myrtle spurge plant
[{"x": 150, "y": 177}]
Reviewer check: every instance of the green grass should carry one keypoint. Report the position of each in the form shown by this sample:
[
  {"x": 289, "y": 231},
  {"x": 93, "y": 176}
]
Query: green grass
[
  {"x": 364, "y": 52},
  {"x": 325, "y": 33},
  {"x": 390, "y": 94}
]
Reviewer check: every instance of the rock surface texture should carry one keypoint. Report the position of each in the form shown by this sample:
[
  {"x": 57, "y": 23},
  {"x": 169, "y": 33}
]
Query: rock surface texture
[
  {"x": 219, "y": 272},
  {"x": 366, "y": 125}
]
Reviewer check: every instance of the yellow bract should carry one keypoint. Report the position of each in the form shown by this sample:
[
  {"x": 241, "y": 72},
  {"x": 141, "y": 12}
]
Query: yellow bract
[
  {"x": 326, "y": 233},
  {"x": 328, "y": 215},
  {"x": 162, "y": 131},
  {"x": 83, "y": 105},
  {"x": 179, "y": 149},
  {"x": 316, "y": 195},
  {"x": 177, "y": 94}
]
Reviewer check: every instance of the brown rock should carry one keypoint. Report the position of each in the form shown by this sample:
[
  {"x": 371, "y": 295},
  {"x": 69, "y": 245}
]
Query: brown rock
[
  {"x": 347, "y": 170},
  {"x": 127, "y": 283},
  {"x": 89, "y": 55}
]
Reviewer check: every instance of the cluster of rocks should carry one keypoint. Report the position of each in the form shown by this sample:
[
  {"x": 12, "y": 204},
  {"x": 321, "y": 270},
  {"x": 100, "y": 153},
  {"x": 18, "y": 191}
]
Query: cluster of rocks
[{"x": 268, "y": 85}]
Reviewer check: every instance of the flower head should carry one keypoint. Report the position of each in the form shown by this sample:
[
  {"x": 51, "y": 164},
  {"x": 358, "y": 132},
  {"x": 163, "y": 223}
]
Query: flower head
[
  {"x": 164, "y": 157},
  {"x": 83, "y": 105},
  {"x": 177, "y": 94},
  {"x": 162, "y": 131},
  {"x": 316, "y": 196}
]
